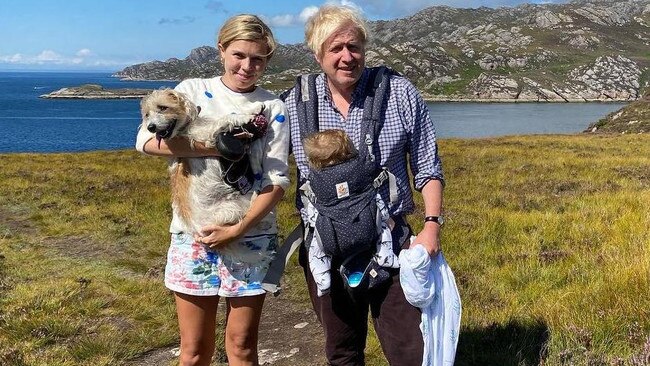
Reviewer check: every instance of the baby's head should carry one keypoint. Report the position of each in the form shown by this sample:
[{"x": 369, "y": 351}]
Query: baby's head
[{"x": 327, "y": 148}]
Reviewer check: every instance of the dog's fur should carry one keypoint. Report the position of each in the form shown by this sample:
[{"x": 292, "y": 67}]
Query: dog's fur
[
  {"x": 199, "y": 194},
  {"x": 327, "y": 148}
]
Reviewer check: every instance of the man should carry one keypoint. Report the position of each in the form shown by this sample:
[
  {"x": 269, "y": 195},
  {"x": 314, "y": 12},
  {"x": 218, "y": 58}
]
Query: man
[{"x": 338, "y": 35}]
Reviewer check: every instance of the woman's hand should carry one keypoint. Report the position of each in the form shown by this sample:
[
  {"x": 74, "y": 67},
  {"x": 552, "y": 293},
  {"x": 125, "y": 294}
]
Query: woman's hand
[{"x": 216, "y": 236}]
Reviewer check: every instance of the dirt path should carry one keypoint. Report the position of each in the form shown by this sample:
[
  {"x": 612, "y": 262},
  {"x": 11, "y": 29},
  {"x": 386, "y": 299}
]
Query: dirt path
[{"x": 289, "y": 335}]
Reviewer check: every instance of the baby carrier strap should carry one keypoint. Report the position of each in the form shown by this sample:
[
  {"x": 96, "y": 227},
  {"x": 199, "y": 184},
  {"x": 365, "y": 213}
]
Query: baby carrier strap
[{"x": 344, "y": 194}]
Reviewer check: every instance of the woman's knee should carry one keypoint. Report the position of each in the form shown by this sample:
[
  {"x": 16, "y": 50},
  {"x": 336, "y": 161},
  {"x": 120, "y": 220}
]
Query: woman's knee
[
  {"x": 195, "y": 354},
  {"x": 242, "y": 343}
]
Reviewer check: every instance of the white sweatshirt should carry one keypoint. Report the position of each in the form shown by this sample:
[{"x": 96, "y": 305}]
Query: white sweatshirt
[{"x": 216, "y": 100}]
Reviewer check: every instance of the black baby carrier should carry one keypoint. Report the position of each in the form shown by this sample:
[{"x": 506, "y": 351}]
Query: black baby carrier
[{"x": 348, "y": 223}]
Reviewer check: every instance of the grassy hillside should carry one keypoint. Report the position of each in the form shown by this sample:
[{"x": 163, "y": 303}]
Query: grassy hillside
[
  {"x": 547, "y": 235},
  {"x": 633, "y": 118}
]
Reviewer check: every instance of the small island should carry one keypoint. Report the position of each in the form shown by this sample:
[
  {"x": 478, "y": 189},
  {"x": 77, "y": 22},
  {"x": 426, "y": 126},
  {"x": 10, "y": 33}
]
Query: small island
[{"x": 94, "y": 91}]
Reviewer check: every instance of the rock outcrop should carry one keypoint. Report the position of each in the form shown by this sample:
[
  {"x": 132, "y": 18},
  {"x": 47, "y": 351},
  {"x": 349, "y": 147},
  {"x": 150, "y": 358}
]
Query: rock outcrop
[
  {"x": 93, "y": 91},
  {"x": 633, "y": 118},
  {"x": 585, "y": 50}
]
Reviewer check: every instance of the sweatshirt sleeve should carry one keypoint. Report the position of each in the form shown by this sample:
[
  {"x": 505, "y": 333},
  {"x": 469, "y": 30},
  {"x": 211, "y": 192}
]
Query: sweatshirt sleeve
[{"x": 275, "y": 169}]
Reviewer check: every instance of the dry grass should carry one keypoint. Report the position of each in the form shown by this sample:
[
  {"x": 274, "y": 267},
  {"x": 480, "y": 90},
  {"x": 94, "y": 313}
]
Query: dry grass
[{"x": 547, "y": 235}]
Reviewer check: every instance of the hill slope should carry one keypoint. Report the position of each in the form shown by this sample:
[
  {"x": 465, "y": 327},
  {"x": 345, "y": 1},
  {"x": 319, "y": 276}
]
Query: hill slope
[
  {"x": 633, "y": 118},
  {"x": 593, "y": 50}
]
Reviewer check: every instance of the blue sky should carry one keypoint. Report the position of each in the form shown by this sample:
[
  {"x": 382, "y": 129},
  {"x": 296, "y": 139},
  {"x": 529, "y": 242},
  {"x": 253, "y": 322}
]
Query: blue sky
[{"x": 111, "y": 34}]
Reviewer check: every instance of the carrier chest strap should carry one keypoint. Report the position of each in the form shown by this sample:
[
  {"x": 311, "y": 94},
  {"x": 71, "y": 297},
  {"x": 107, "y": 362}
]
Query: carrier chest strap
[{"x": 384, "y": 176}]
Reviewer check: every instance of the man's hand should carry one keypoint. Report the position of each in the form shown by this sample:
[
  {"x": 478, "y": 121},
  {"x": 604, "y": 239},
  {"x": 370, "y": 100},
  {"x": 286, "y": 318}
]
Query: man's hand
[{"x": 429, "y": 237}]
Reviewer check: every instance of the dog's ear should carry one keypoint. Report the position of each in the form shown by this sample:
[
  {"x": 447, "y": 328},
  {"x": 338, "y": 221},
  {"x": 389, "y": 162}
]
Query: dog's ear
[
  {"x": 172, "y": 94},
  {"x": 191, "y": 110}
]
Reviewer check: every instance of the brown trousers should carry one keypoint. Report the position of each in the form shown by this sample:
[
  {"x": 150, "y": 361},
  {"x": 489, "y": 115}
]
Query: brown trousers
[{"x": 345, "y": 319}]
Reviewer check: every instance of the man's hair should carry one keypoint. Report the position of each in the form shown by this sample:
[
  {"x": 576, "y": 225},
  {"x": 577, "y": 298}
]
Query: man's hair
[
  {"x": 327, "y": 20},
  {"x": 327, "y": 148},
  {"x": 246, "y": 27}
]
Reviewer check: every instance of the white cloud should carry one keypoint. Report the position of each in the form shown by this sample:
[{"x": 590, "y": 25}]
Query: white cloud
[
  {"x": 12, "y": 59},
  {"x": 84, "y": 52},
  {"x": 307, "y": 12},
  {"x": 286, "y": 20},
  {"x": 291, "y": 20},
  {"x": 83, "y": 58},
  {"x": 48, "y": 56}
]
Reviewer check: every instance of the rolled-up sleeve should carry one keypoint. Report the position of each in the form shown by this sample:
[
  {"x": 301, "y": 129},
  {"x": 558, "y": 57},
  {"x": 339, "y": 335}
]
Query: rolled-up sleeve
[
  {"x": 424, "y": 160},
  {"x": 275, "y": 162}
]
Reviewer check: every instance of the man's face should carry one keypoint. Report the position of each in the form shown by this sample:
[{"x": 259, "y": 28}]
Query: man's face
[{"x": 343, "y": 58}]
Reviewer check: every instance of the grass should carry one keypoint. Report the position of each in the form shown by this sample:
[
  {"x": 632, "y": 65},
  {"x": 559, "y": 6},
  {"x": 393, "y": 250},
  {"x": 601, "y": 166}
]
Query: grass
[{"x": 547, "y": 236}]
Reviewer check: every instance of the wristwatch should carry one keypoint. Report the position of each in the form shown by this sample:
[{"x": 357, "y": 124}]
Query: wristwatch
[{"x": 440, "y": 220}]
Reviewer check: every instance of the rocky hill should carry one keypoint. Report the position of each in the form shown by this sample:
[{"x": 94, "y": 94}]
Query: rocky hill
[
  {"x": 585, "y": 50},
  {"x": 633, "y": 118}
]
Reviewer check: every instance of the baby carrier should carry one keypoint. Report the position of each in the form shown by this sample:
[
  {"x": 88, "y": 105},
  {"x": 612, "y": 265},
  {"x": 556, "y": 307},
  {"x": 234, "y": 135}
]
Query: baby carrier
[{"x": 348, "y": 222}]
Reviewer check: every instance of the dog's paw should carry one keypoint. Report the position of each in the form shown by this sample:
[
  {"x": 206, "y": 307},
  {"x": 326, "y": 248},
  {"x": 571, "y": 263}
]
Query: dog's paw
[
  {"x": 229, "y": 146},
  {"x": 256, "y": 108}
]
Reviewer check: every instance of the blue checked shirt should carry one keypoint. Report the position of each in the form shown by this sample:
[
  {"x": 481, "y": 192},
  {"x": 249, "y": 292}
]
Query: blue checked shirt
[{"x": 407, "y": 130}]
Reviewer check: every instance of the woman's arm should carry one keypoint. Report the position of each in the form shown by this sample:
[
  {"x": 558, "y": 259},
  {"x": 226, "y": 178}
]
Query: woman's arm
[
  {"x": 216, "y": 236},
  {"x": 177, "y": 147}
]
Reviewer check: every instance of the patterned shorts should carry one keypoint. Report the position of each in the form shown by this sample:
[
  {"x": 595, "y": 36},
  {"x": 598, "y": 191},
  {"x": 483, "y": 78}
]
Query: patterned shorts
[{"x": 196, "y": 269}]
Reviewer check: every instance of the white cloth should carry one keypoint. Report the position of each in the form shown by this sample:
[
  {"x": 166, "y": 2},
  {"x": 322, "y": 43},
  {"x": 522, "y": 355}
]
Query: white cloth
[
  {"x": 216, "y": 100},
  {"x": 429, "y": 284}
]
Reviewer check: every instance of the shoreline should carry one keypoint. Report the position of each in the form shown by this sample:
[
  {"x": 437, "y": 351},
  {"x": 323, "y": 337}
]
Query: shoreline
[
  {"x": 430, "y": 99},
  {"x": 98, "y": 92}
]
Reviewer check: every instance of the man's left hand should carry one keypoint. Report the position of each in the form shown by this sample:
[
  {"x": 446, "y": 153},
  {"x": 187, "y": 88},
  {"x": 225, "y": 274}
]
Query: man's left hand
[{"x": 429, "y": 237}]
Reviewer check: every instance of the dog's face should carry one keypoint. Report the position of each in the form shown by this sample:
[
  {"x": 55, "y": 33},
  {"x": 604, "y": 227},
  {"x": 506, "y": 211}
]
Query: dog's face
[{"x": 165, "y": 112}]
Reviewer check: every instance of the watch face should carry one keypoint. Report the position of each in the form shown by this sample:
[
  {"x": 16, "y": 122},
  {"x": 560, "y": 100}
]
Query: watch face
[{"x": 441, "y": 220}]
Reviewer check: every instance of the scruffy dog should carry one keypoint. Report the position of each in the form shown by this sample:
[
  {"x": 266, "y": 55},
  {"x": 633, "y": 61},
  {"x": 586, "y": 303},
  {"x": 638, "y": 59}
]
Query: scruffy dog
[
  {"x": 327, "y": 148},
  {"x": 199, "y": 194}
]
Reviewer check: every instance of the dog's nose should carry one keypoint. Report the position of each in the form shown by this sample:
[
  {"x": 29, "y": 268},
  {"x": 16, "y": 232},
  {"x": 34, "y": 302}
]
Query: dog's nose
[{"x": 151, "y": 127}]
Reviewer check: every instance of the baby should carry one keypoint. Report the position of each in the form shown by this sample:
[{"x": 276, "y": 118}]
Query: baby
[{"x": 324, "y": 149}]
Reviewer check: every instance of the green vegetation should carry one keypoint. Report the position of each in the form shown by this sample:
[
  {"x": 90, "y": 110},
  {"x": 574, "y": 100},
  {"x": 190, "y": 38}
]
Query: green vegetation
[
  {"x": 547, "y": 236},
  {"x": 633, "y": 118}
]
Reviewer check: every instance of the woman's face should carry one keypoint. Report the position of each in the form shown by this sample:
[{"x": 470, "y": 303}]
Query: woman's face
[
  {"x": 343, "y": 58},
  {"x": 244, "y": 63}
]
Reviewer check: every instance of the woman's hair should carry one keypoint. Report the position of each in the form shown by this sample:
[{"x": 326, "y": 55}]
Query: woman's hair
[
  {"x": 246, "y": 27},
  {"x": 327, "y": 148},
  {"x": 327, "y": 20}
]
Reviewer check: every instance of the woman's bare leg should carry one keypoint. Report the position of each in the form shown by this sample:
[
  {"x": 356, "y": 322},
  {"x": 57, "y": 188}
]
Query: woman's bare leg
[
  {"x": 242, "y": 326},
  {"x": 196, "y": 320}
]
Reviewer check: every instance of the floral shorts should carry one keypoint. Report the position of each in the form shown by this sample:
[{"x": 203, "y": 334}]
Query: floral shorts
[{"x": 196, "y": 269}]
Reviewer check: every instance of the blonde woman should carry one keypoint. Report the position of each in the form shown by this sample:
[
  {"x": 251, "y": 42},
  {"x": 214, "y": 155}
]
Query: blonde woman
[{"x": 197, "y": 271}]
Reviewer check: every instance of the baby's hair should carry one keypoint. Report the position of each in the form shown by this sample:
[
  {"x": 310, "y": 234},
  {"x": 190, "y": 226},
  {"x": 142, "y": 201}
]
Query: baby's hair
[{"x": 327, "y": 148}]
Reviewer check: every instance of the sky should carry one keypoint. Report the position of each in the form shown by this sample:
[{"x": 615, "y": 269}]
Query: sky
[{"x": 109, "y": 35}]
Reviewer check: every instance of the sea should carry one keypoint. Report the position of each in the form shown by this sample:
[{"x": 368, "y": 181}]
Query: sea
[{"x": 32, "y": 124}]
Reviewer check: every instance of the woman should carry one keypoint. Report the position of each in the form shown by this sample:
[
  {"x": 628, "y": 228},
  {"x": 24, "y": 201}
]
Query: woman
[{"x": 245, "y": 44}]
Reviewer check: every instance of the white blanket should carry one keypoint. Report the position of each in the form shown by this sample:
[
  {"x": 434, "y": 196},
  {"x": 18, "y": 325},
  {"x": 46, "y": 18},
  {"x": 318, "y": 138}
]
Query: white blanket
[{"x": 429, "y": 284}]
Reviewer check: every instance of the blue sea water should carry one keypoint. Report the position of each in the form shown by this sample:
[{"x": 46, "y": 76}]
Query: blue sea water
[{"x": 31, "y": 124}]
